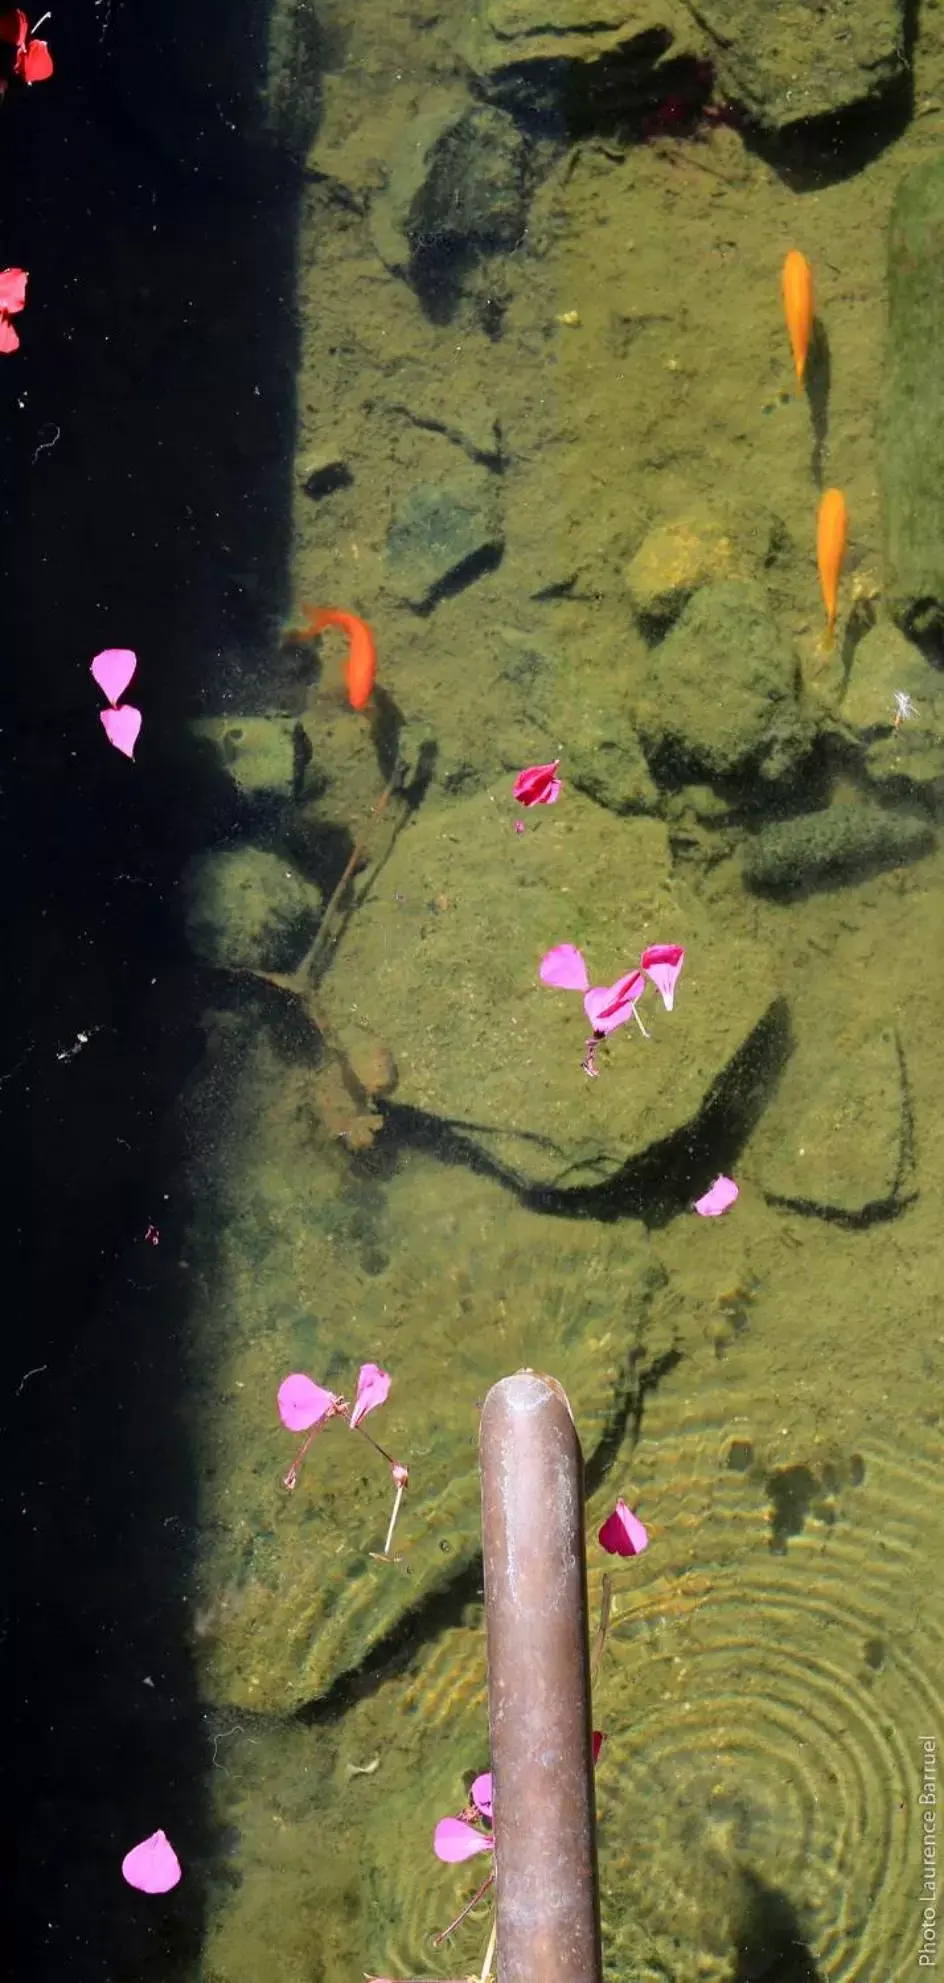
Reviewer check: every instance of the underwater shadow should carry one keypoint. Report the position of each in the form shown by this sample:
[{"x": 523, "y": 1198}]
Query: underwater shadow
[
  {"x": 146, "y": 502},
  {"x": 769, "y": 1947}
]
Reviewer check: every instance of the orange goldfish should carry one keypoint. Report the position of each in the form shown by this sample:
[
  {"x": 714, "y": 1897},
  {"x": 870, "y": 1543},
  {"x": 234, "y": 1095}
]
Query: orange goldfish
[
  {"x": 831, "y": 529},
  {"x": 361, "y": 671},
  {"x": 798, "y": 308}
]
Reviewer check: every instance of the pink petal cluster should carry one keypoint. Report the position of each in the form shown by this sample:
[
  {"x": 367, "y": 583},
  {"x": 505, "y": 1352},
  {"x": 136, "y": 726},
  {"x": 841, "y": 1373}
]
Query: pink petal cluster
[
  {"x": 112, "y": 671},
  {"x": 12, "y": 300},
  {"x": 152, "y": 1866},
  {"x": 622, "y": 1533},
  {"x": 305, "y": 1406},
  {"x": 538, "y": 785},
  {"x": 718, "y": 1198},
  {"x": 609, "y": 1006}
]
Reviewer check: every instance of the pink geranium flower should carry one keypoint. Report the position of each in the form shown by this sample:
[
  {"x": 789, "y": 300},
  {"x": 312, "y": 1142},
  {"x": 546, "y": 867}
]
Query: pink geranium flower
[
  {"x": 305, "y": 1406},
  {"x": 609, "y": 1006},
  {"x": 538, "y": 785}
]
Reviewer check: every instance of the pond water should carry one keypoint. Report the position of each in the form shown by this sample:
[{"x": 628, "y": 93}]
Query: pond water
[{"x": 471, "y": 326}]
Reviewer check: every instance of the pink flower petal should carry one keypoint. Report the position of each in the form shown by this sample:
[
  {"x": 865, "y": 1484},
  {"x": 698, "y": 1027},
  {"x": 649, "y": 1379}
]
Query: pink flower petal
[
  {"x": 537, "y": 785},
  {"x": 716, "y": 1199},
  {"x": 609, "y": 1006},
  {"x": 564, "y": 967},
  {"x": 373, "y": 1389},
  {"x": 662, "y": 963},
  {"x": 12, "y": 290},
  {"x": 112, "y": 670},
  {"x": 481, "y": 1793},
  {"x": 453, "y": 1840},
  {"x": 152, "y": 1866},
  {"x": 302, "y": 1402},
  {"x": 9, "y": 340},
  {"x": 622, "y": 1533},
  {"x": 122, "y": 727}
]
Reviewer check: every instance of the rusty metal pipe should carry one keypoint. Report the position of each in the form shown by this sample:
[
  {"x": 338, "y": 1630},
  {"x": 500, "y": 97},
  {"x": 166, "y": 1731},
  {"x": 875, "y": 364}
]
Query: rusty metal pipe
[{"x": 547, "y": 1894}]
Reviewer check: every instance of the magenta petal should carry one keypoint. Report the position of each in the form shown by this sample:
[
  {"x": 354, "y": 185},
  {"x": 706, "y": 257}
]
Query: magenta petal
[
  {"x": 622, "y": 1533},
  {"x": 373, "y": 1389},
  {"x": 564, "y": 967},
  {"x": 302, "y": 1402},
  {"x": 609, "y": 1006},
  {"x": 537, "y": 785},
  {"x": 453, "y": 1840},
  {"x": 152, "y": 1866},
  {"x": 112, "y": 670},
  {"x": 716, "y": 1199},
  {"x": 121, "y": 727},
  {"x": 481, "y": 1793},
  {"x": 662, "y": 963}
]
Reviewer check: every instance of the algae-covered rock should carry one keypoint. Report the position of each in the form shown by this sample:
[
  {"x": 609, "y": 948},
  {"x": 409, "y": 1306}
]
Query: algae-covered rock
[
  {"x": 535, "y": 55},
  {"x": 911, "y": 455},
  {"x": 249, "y": 910},
  {"x": 443, "y": 963},
  {"x": 672, "y": 562},
  {"x": 823, "y": 849},
  {"x": 585, "y": 711},
  {"x": 457, "y": 179},
  {"x": 787, "y": 61},
  {"x": 895, "y": 703},
  {"x": 257, "y": 752},
  {"x": 442, "y": 535},
  {"x": 834, "y": 1140},
  {"x": 884, "y": 665},
  {"x": 721, "y": 697}
]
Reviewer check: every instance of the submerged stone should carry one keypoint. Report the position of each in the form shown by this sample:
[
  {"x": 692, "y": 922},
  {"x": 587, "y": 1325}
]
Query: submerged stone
[
  {"x": 249, "y": 910},
  {"x": 482, "y": 1046},
  {"x": 787, "y": 62},
  {"x": 457, "y": 180},
  {"x": 442, "y": 536},
  {"x": 536, "y": 55},
  {"x": 824, "y": 849},
  {"x": 721, "y": 697},
  {"x": 835, "y": 1139}
]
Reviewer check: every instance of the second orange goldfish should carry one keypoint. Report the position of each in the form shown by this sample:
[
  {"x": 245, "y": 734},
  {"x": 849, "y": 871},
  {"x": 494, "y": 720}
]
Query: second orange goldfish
[
  {"x": 798, "y": 308},
  {"x": 832, "y": 527}
]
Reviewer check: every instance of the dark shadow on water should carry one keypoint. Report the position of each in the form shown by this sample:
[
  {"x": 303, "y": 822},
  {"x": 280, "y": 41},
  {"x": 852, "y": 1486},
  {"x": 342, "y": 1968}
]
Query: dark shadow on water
[
  {"x": 817, "y": 382},
  {"x": 158, "y": 361},
  {"x": 769, "y": 1947}
]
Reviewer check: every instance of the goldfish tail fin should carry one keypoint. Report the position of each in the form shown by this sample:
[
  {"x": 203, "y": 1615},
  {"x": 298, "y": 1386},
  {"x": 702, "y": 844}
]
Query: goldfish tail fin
[{"x": 314, "y": 618}]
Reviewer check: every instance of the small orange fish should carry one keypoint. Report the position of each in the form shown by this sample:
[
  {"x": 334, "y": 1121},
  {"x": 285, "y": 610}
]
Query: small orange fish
[
  {"x": 798, "y": 308},
  {"x": 831, "y": 530},
  {"x": 361, "y": 670}
]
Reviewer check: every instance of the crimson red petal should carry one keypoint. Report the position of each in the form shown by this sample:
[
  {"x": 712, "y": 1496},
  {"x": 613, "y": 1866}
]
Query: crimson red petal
[
  {"x": 14, "y": 27},
  {"x": 36, "y": 63}
]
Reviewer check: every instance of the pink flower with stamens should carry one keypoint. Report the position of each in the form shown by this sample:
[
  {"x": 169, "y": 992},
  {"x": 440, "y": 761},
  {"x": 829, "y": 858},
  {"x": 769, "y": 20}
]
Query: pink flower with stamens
[
  {"x": 538, "y": 785},
  {"x": 609, "y": 1006}
]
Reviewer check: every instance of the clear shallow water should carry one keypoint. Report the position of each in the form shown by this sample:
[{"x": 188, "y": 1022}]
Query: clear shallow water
[{"x": 210, "y": 1654}]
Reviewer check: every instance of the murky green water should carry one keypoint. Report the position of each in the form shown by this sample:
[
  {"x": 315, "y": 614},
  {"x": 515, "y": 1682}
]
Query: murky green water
[{"x": 518, "y": 462}]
